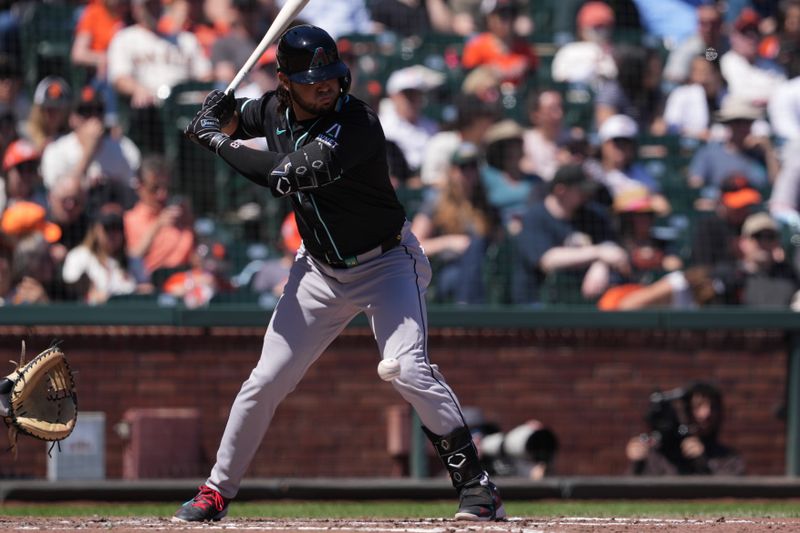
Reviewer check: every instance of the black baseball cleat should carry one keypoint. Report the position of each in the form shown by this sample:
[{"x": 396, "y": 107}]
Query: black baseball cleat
[
  {"x": 207, "y": 506},
  {"x": 479, "y": 501}
]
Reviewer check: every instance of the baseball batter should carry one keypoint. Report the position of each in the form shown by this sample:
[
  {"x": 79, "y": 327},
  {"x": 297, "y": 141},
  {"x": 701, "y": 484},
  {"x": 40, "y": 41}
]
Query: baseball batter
[{"x": 327, "y": 155}]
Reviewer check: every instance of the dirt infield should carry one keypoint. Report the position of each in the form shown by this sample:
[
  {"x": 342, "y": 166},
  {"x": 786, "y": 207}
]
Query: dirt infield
[{"x": 513, "y": 525}]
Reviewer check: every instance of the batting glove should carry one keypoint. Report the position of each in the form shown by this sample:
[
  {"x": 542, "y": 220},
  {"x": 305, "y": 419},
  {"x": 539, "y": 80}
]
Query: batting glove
[
  {"x": 222, "y": 105},
  {"x": 204, "y": 129}
]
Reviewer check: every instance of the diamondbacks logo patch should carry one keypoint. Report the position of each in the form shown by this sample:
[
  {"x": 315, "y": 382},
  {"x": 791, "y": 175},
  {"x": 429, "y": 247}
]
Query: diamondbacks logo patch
[
  {"x": 320, "y": 58},
  {"x": 334, "y": 130}
]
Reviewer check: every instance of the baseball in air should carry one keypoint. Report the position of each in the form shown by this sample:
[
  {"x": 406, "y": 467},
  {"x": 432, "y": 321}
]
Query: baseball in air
[
  {"x": 711, "y": 53},
  {"x": 388, "y": 369}
]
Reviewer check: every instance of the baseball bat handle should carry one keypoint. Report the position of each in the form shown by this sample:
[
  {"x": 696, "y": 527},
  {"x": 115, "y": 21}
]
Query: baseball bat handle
[{"x": 285, "y": 16}]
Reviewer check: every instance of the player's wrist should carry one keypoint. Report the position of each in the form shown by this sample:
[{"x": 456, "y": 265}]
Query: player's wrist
[{"x": 217, "y": 140}]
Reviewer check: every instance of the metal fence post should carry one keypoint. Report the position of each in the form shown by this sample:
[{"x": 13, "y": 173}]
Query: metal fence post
[
  {"x": 793, "y": 406},
  {"x": 419, "y": 458}
]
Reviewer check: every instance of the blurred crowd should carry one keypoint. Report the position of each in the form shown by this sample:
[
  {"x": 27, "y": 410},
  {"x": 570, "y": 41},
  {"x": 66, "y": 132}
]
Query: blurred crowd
[{"x": 621, "y": 154}]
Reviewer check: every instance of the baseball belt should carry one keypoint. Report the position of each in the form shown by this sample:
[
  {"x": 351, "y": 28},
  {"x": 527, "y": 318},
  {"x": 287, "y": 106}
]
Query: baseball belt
[{"x": 369, "y": 255}]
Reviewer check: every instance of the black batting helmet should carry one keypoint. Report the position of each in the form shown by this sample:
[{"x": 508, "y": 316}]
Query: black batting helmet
[{"x": 307, "y": 54}]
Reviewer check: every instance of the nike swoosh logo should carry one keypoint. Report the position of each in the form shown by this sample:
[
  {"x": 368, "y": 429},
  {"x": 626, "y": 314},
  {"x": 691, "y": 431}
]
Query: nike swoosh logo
[{"x": 279, "y": 131}]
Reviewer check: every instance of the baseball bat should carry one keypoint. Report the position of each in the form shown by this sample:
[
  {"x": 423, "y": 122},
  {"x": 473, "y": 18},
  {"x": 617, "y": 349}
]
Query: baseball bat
[{"x": 285, "y": 17}]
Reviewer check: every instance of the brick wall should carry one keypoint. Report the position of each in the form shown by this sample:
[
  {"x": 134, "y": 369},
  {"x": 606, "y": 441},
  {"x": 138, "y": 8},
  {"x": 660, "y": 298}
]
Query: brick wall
[{"x": 590, "y": 386}]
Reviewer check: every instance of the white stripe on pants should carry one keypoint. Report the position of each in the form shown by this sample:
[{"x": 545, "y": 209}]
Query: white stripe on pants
[{"x": 318, "y": 303}]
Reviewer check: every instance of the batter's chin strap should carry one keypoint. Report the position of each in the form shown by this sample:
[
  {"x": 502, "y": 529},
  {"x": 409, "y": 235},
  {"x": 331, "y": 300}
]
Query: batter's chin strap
[{"x": 458, "y": 454}]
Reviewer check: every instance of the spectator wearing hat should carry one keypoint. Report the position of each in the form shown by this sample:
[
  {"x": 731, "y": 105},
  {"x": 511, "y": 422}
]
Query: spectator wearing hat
[
  {"x": 401, "y": 112},
  {"x": 144, "y": 65},
  {"x": 750, "y": 77},
  {"x": 158, "y": 229},
  {"x": 709, "y": 35},
  {"x": 509, "y": 189},
  {"x": 99, "y": 267},
  {"x": 500, "y": 46},
  {"x": 742, "y": 152},
  {"x": 105, "y": 164},
  {"x": 635, "y": 212},
  {"x": 590, "y": 57},
  {"x": 566, "y": 236},
  {"x": 484, "y": 83},
  {"x": 651, "y": 257},
  {"x": 49, "y": 115},
  {"x": 543, "y": 142},
  {"x": 21, "y": 180},
  {"x": 764, "y": 278},
  {"x": 714, "y": 233},
  {"x": 455, "y": 228},
  {"x": 618, "y": 170},
  {"x": 473, "y": 118},
  {"x": 33, "y": 272},
  {"x": 691, "y": 106}
]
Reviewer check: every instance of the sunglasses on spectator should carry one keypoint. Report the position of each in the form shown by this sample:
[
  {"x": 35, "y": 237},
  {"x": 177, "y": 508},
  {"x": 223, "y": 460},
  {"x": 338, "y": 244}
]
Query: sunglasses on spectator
[
  {"x": 507, "y": 13},
  {"x": 112, "y": 226},
  {"x": 765, "y": 236},
  {"x": 28, "y": 168},
  {"x": 467, "y": 165},
  {"x": 90, "y": 111},
  {"x": 155, "y": 187},
  {"x": 622, "y": 141}
]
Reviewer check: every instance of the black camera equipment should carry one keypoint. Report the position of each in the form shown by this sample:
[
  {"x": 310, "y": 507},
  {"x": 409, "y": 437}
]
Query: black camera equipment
[
  {"x": 668, "y": 417},
  {"x": 523, "y": 443}
]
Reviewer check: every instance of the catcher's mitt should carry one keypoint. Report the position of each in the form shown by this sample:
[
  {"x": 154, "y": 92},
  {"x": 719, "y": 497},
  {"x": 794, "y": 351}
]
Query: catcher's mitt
[{"x": 38, "y": 398}]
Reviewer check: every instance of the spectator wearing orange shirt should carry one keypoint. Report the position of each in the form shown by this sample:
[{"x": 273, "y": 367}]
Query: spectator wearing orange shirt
[
  {"x": 190, "y": 15},
  {"x": 499, "y": 46},
  {"x": 98, "y": 23},
  {"x": 157, "y": 230}
]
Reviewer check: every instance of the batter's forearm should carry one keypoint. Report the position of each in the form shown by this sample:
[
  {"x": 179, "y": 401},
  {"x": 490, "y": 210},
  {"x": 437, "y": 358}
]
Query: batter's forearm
[{"x": 255, "y": 165}]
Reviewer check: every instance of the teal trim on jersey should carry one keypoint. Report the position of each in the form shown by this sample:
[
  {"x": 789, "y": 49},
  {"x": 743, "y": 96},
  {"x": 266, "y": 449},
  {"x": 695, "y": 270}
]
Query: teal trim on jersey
[
  {"x": 310, "y": 197},
  {"x": 241, "y": 110},
  {"x": 341, "y": 101}
]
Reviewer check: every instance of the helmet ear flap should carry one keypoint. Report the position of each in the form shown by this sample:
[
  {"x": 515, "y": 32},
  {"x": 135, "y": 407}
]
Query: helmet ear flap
[{"x": 344, "y": 83}]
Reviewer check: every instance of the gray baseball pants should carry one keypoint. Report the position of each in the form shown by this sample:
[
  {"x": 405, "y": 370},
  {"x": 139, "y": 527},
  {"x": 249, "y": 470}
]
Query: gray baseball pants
[{"x": 318, "y": 303}]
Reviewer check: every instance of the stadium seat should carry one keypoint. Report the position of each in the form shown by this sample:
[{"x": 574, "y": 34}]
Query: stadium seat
[
  {"x": 197, "y": 171},
  {"x": 46, "y": 32},
  {"x": 498, "y": 268}
]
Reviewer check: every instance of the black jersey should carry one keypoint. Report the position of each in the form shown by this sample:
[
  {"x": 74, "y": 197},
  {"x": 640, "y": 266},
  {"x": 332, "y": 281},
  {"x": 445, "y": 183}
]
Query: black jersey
[{"x": 356, "y": 212}]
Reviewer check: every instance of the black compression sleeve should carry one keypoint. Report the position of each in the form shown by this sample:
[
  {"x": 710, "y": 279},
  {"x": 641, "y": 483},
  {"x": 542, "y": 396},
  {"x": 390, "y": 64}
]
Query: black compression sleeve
[{"x": 255, "y": 165}]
